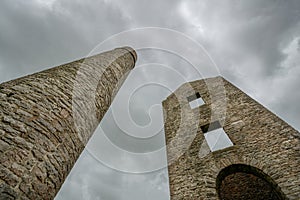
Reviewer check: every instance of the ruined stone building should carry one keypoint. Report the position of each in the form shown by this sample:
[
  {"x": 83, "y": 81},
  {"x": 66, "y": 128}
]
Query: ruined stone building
[
  {"x": 221, "y": 144},
  {"x": 46, "y": 119}
]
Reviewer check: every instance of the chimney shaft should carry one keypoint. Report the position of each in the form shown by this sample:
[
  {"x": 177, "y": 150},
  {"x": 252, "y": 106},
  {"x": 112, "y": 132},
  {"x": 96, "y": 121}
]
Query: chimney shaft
[{"x": 47, "y": 118}]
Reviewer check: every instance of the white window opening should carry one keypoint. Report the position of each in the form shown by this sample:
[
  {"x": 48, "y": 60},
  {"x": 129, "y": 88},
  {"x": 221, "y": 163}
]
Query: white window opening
[
  {"x": 216, "y": 137},
  {"x": 195, "y": 100}
]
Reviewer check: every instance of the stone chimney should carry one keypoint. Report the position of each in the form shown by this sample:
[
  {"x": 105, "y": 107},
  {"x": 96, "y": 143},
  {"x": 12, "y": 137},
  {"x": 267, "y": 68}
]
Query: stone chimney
[{"x": 47, "y": 118}]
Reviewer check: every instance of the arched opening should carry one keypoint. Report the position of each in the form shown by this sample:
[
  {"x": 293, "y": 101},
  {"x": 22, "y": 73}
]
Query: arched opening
[{"x": 243, "y": 182}]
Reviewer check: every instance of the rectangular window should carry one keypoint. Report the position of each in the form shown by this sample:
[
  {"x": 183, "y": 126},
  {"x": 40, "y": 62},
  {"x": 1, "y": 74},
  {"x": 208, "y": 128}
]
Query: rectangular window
[
  {"x": 195, "y": 100},
  {"x": 215, "y": 136}
]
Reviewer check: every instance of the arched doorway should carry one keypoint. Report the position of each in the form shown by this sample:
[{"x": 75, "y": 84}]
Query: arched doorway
[{"x": 243, "y": 182}]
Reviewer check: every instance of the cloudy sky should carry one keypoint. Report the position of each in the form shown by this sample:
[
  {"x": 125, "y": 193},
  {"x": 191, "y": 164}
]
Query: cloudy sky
[{"x": 254, "y": 44}]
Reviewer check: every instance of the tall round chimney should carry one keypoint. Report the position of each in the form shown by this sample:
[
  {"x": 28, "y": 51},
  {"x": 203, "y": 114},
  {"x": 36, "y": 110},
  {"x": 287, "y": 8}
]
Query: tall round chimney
[{"x": 47, "y": 118}]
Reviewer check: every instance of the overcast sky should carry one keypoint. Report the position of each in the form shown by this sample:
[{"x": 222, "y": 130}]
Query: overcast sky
[{"x": 253, "y": 44}]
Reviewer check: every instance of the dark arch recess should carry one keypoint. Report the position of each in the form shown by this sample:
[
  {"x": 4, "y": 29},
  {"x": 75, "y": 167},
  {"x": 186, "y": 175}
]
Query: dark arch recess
[{"x": 249, "y": 173}]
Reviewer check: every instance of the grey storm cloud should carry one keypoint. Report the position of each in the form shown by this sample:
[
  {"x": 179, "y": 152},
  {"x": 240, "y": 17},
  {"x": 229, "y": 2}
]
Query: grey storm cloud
[
  {"x": 255, "y": 45},
  {"x": 41, "y": 34}
]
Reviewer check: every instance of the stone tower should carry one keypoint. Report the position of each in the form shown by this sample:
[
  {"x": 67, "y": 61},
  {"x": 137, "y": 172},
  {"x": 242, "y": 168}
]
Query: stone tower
[
  {"x": 46, "y": 119},
  {"x": 221, "y": 144}
]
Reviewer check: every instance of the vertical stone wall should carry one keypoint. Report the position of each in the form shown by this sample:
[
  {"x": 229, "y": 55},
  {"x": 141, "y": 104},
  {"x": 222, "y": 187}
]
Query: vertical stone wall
[
  {"x": 46, "y": 119},
  {"x": 244, "y": 186},
  {"x": 260, "y": 139}
]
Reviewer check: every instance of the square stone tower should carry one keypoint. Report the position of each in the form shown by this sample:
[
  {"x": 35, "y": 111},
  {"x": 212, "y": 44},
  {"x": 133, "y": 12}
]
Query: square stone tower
[{"x": 222, "y": 144}]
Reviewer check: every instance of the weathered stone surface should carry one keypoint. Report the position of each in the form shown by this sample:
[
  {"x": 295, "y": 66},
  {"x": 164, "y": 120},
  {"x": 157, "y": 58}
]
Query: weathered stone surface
[
  {"x": 240, "y": 186},
  {"x": 261, "y": 140},
  {"x": 46, "y": 119}
]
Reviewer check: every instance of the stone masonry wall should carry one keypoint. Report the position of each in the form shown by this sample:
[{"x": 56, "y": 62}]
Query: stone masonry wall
[
  {"x": 46, "y": 119},
  {"x": 243, "y": 186},
  {"x": 261, "y": 140}
]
